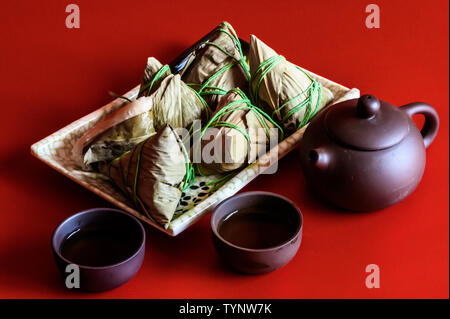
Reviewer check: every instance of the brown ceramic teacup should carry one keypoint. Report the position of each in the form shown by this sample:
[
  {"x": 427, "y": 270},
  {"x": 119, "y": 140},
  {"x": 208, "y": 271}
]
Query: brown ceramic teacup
[
  {"x": 122, "y": 254},
  {"x": 240, "y": 253}
]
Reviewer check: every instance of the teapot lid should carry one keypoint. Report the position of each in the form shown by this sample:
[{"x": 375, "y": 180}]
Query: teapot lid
[{"x": 366, "y": 123}]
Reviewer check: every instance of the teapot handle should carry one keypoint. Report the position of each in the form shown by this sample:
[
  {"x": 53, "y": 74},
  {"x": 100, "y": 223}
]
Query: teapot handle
[{"x": 431, "y": 125}]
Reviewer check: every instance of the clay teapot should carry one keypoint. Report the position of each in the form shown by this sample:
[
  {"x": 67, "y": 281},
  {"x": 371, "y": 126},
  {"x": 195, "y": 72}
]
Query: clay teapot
[{"x": 365, "y": 154}]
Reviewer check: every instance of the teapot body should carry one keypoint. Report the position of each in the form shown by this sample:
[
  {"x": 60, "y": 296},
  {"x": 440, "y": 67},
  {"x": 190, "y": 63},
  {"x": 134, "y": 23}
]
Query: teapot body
[{"x": 361, "y": 180}]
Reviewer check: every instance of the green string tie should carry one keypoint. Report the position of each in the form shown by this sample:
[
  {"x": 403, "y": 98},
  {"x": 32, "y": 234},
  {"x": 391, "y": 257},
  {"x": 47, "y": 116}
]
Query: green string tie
[{"x": 315, "y": 88}]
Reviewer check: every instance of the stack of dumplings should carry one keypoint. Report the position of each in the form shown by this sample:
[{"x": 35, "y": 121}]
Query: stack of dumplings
[{"x": 231, "y": 89}]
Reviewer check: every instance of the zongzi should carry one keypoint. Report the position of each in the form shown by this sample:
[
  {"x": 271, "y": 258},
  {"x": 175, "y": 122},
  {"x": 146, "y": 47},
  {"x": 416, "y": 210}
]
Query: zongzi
[
  {"x": 217, "y": 66},
  {"x": 152, "y": 174},
  {"x": 291, "y": 95},
  {"x": 237, "y": 134},
  {"x": 177, "y": 104},
  {"x": 174, "y": 102},
  {"x": 119, "y": 132}
]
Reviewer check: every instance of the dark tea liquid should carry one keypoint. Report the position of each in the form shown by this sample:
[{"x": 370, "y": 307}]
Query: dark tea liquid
[
  {"x": 99, "y": 247},
  {"x": 257, "y": 227}
]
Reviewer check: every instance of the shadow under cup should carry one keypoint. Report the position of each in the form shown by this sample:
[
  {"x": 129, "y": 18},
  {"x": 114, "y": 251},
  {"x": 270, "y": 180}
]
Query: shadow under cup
[
  {"x": 257, "y": 260},
  {"x": 124, "y": 229}
]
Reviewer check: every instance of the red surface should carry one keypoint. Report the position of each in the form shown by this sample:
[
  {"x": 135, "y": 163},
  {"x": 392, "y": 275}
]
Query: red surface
[{"x": 51, "y": 76}]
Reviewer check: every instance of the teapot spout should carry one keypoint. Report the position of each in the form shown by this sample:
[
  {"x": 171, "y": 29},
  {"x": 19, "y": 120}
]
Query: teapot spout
[{"x": 319, "y": 158}]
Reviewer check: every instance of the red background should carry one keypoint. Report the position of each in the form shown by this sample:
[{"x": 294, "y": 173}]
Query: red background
[{"x": 51, "y": 76}]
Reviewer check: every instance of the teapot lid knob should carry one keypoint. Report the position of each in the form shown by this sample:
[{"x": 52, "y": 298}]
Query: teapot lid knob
[{"x": 368, "y": 106}]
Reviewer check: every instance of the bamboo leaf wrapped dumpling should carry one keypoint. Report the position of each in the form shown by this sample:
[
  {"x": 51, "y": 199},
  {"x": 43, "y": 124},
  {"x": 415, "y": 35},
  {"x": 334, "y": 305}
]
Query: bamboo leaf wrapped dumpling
[
  {"x": 236, "y": 135},
  {"x": 218, "y": 66},
  {"x": 291, "y": 95},
  {"x": 119, "y": 132},
  {"x": 153, "y": 174},
  {"x": 177, "y": 104},
  {"x": 174, "y": 102}
]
